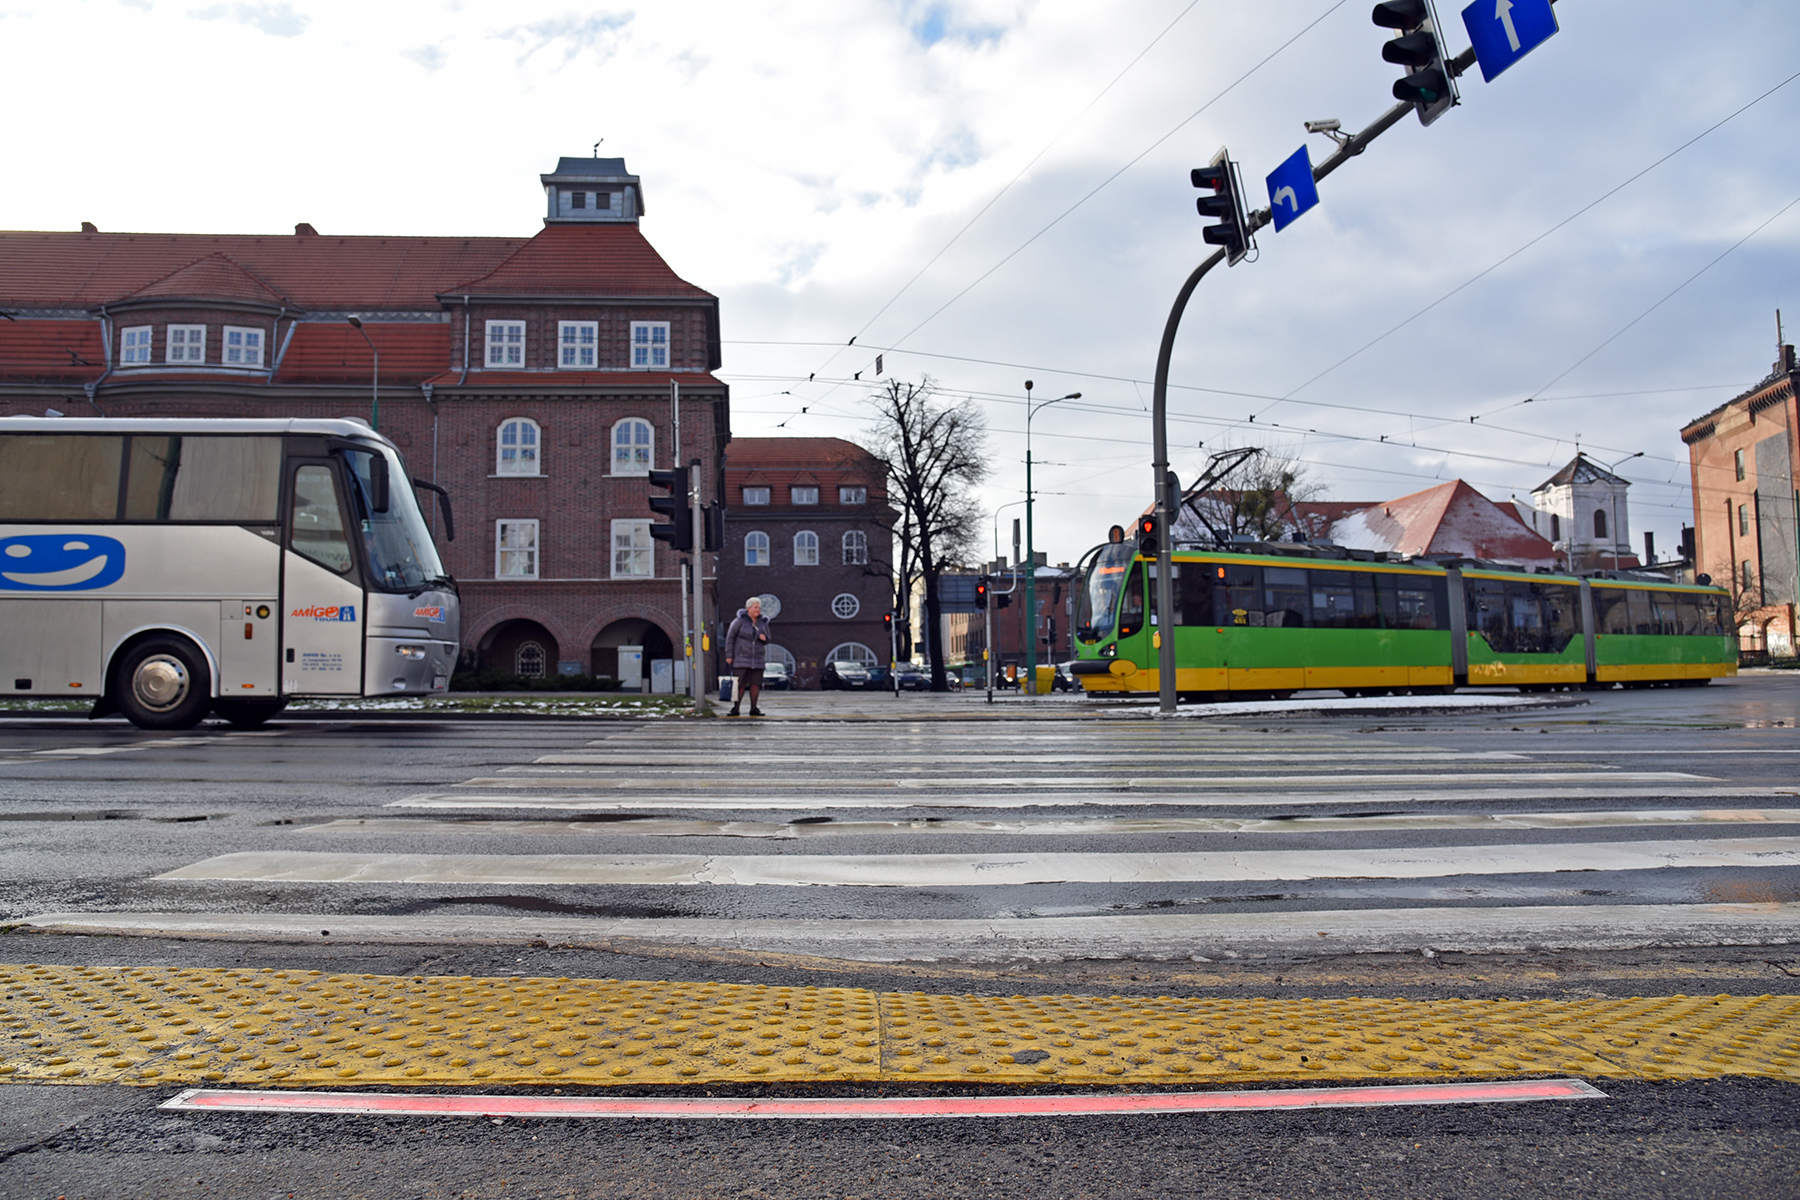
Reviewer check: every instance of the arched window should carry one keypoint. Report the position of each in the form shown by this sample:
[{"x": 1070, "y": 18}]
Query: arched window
[
  {"x": 633, "y": 445},
  {"x": 806, "y": 549},
  {"x": 852, "y": 652},
  {"x": 756, "y": 549},
  {"x": 1555, "y": 528},
  {"x": 856, "y": 547},
  {"x": 529, "y": 660},
  {"x": 517, "y": 453},
  {"x": 1599, "y": 522}
]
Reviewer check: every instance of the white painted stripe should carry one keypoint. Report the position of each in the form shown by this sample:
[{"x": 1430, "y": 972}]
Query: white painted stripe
[
  {"x": 876, "y": 1108},
  {"x": 1072, "y": 784},
  {"x": 1176, "y": 936},
  {"x": 1076, "y": 827},
  {"x": 986, "y": 870},
  {"x": 1007, "y": 752},
  {"x": 731, "y": 801}
]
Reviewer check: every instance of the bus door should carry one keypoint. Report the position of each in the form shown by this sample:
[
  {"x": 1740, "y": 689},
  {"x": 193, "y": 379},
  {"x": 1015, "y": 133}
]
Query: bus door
[{"x": 323, "y": 610}]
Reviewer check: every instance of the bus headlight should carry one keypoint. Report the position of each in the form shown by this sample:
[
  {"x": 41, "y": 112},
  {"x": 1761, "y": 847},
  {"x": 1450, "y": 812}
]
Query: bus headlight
[{"x": 410, "y": 651}]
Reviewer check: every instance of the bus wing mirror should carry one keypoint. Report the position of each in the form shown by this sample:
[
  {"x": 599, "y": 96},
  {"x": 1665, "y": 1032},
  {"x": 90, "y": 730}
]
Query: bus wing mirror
[
  {"x": 443, "y": 507},
  {"x": 379, "y": 483}
]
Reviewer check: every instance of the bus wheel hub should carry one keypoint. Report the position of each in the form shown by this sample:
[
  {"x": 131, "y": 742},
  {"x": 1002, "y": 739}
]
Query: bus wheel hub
[{"x": 161, "y": 682}]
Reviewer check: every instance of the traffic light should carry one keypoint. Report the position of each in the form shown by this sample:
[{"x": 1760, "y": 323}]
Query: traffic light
[
  {"x": 981, "y": 591},
  {"x": 1429, "y": 88},
  {"x": 714, "y": 520},
  {"x": 1002, "y": 599},
  {"x": 887, "y": 622},
  {"x": 1226, "y": 204},
  {"x": 1149, "y": 531},
  {"x": 679, "y": 533}
]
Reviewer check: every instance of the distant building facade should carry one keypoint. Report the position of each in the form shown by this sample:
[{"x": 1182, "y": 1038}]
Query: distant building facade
[
  {"x": 808, "y": 528},
  {"x": 1583, "y": 513},
  {"x": 1742, "y": 456},
  {"x": 529, "y": 376}
]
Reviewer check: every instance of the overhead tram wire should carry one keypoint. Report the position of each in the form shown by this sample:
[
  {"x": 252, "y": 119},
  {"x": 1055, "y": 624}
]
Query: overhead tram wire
[{"x": 1498, "y": 263}]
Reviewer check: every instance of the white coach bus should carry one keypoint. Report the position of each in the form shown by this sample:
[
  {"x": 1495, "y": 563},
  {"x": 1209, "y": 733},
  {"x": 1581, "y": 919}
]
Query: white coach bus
[{"x": 171, "y": 567}]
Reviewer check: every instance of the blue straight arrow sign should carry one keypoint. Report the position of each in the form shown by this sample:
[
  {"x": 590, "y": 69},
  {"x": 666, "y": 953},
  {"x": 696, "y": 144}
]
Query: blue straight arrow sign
[
  {"x": 1291, "y": 189},
  {"x": 1504, "y": 31}
]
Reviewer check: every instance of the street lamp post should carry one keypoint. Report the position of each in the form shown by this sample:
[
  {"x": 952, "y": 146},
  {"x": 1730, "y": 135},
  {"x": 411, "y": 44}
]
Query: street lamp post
[
  {"x": 375, "y": 375},
  {"x": 1031, "y": 554},
  {"x": 1614, "y": 531}
]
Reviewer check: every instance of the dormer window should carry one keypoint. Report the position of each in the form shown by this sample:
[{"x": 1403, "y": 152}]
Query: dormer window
[
  {"x": 579, "y": 340},
  {"x": 506, "y": 343},
  {"x": 134, "y": 345},
  {"x": 578, "y": 199},
  {"x": 804, "y": 495},
  {"x": 187, "y": 344},
  {"x": 650, "y": 345},
  {"x": 243, "y": 347}
]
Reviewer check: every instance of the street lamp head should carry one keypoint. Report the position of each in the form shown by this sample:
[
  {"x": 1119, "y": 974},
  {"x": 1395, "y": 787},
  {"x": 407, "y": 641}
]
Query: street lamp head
[
  {"x": 1028, "y": 385},
  {"x": 355, "y": 321},
  {"x": 1072, "y": 396}
]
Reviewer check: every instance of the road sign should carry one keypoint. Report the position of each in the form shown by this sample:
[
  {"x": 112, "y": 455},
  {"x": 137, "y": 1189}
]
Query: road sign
[
  {"x": 1504, "y": 31},
  {"x": 1291, "y": 189}
]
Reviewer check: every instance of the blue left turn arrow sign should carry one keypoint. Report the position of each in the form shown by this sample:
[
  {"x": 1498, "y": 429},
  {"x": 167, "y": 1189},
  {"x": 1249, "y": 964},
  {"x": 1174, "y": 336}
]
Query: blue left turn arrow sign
[{"x": 1291, "y": 189}]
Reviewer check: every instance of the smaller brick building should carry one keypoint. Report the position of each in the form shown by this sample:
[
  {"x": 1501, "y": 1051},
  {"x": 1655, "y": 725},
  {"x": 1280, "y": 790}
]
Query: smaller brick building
[
  {"x": 1745, "y": 504},
  {"x": 808, "y": 528}
]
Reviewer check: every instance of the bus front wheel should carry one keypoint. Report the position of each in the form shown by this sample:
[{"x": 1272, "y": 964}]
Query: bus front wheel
[
  {"x": 247, "y": 714},
  {"x": 163, "y": 683}
]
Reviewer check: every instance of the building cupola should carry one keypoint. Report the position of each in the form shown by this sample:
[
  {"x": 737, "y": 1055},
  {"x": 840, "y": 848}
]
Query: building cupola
[{"x": 591, "y": 191}]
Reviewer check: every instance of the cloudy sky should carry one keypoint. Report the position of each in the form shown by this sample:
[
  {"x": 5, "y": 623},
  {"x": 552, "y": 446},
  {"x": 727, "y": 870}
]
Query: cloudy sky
[{"x": 990, "y": 191}]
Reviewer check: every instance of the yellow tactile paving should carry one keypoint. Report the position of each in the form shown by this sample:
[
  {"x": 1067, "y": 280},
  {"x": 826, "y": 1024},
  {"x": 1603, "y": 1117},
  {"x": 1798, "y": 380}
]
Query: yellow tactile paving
[{"x": 157, "y": 1025}]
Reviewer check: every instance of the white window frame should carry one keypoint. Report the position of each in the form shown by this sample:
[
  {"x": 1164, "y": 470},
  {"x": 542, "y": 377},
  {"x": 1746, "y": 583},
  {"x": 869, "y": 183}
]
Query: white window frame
[
  {"x": 806, "y": 549},
  {"x": 856, "y": 548},
  {"x": 853, "y": 494},
  {"x": 241, "y": 346},
  {"x": 756, "y": 549},
  {"x": 577, "y": 345},
  {"x": 134, "y": 345},
  {"x": 853, "y": 652},
  {"x": 633, "y": 450},
  {"x": 845, "y": 606},
  {"x": 532, "y": 548},
  {"x": 506, "y": 344},
  {"x": 633, "y": 550},
  {"x": 756, "y": 497},
  {"x": 649, "y": 345},
  {"x": 803, "y": 495},
  {"x": 185, "y": 344},
  {"x": 519, "y": 465}
]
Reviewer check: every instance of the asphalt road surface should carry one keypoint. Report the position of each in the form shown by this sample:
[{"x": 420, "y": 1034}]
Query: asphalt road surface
[{"x": 1637, "y": 843}]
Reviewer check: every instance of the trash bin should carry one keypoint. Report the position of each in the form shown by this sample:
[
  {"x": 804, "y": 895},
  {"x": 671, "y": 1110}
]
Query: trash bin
[{"x": 1046, "y": 679}]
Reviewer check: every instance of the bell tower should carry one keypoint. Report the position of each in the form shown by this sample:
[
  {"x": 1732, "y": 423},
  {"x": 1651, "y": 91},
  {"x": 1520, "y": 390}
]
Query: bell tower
[{"x": 592, "y": 191}]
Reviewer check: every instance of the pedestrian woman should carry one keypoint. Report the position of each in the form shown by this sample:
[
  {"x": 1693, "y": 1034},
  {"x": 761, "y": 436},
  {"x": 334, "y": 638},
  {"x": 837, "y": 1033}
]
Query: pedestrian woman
[{"x": 746, "y": 651}]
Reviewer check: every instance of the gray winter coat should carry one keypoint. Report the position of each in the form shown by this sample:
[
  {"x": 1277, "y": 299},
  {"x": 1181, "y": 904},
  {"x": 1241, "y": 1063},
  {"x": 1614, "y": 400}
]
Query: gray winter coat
[{"x": 743, "y": 651}]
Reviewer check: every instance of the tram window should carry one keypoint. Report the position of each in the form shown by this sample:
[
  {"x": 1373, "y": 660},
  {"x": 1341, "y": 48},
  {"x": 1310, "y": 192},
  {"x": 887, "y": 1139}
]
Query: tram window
[
  {"x": 1345, "y": 600},
  {"x": 1131, "y": 604},
  {"x": 1641, "y": 621},
  {"x": 1237, "y": 594},
  {"x": 1611, "y": 612},
  {"x": 318, "y": 530},
  {"x": 1285, "y": 600},
  {"x": 1193, "y": 592},
  {"x": 59, "y": 477},
  {"x": 176, "y": 478},
  {"x": 1667, "y": 607},
  {"x": 1558, "y": 602},
  {"x": 1486, "y": 602},
  {"x": 1715, "y": 616},
  {"x": 1418, "y": 603}
]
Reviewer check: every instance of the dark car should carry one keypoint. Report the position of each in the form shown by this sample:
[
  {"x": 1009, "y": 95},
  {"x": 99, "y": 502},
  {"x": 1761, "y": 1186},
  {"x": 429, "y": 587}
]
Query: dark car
[
  {"x": 911, "y": 677},
  {"x": 776, "y": 677},
  {"x": 1065, "y": 681},
  {"x": 845, "y": 676}
]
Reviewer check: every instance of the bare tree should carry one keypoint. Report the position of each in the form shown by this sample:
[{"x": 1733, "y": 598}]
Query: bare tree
[
  {"x": 935, "y": 454},
  {"x": 1257, "y": 498}
]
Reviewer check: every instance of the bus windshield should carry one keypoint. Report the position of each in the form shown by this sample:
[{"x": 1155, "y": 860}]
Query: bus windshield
[
  {"x": 1100, "y": 594},
  {"x": 402, "y": 556}
]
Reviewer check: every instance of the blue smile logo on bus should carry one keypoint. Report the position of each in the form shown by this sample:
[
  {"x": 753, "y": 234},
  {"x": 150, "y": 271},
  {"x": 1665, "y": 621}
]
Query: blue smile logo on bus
[{"x": 60, "y": 562}]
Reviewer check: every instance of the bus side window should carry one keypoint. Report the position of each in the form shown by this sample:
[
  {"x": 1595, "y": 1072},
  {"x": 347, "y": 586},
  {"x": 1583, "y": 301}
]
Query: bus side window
[
  {"x": 203, "y": 478},
  {"x": 1131, "y": 604},
  {"x": 59, "y": 477},
  {"x": 318, "y": 524}
]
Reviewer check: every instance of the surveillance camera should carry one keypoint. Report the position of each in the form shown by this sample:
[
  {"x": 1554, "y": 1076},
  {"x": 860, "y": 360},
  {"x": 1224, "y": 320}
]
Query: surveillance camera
[{"x": 1329, "y": 125}]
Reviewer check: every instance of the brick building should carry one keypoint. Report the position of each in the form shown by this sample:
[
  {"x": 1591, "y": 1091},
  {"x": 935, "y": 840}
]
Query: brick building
[
  {"x": 529, "y": 376},
  {"x": 1745, "y": 504},
  {"x": 808, "y": 528}
]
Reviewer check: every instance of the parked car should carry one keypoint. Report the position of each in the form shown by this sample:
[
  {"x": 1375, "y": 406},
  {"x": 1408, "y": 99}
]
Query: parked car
[
  {"x": 845, "y": 676},
  {"x": 1065, "y": 678},
  {"x": 776, "y": 677},
  {"x": 911, "y": 677}
]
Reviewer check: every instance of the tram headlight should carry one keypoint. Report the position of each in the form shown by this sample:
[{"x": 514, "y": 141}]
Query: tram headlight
[
  {"x": 1110, "y": 650},
  {"x": 410, "y": 651}
]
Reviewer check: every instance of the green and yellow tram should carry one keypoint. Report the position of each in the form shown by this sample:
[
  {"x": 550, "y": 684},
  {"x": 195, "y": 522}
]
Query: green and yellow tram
[{"x": 1271, "y": 619}]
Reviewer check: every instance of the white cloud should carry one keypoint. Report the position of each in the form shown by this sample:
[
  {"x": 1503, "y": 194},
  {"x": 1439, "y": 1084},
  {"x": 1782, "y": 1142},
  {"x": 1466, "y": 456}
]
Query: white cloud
[{"x": 276, "y": 20}]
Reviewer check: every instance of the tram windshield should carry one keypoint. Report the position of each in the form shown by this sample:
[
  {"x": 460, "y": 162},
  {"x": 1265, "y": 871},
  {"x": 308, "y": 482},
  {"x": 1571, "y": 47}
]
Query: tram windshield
[{"x": 1100, "y": 593}]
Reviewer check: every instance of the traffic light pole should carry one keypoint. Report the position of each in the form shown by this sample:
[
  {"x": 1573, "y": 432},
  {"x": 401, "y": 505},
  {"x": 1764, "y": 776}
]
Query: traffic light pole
[{"x": 697, "y": 639}]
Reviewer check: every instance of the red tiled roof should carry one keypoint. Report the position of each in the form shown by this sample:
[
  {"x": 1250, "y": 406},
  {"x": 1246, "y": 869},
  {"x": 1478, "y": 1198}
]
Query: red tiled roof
[
  {"x": 1451, "y": 518},
  {"x": 215, "y": 277},
  {"x": 797, "y": 453},
  {"x": 52, "y": 351},
  {"x": 85, "y": 270},
  {"x": 583, "y": 260},
  {"x": 526, "y": 380},
  {"x": 323, "y": 352}
]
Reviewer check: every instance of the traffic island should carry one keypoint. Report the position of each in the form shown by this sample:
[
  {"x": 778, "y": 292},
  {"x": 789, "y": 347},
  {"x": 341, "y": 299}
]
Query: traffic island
[{"x": 160, "y": 1026}]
